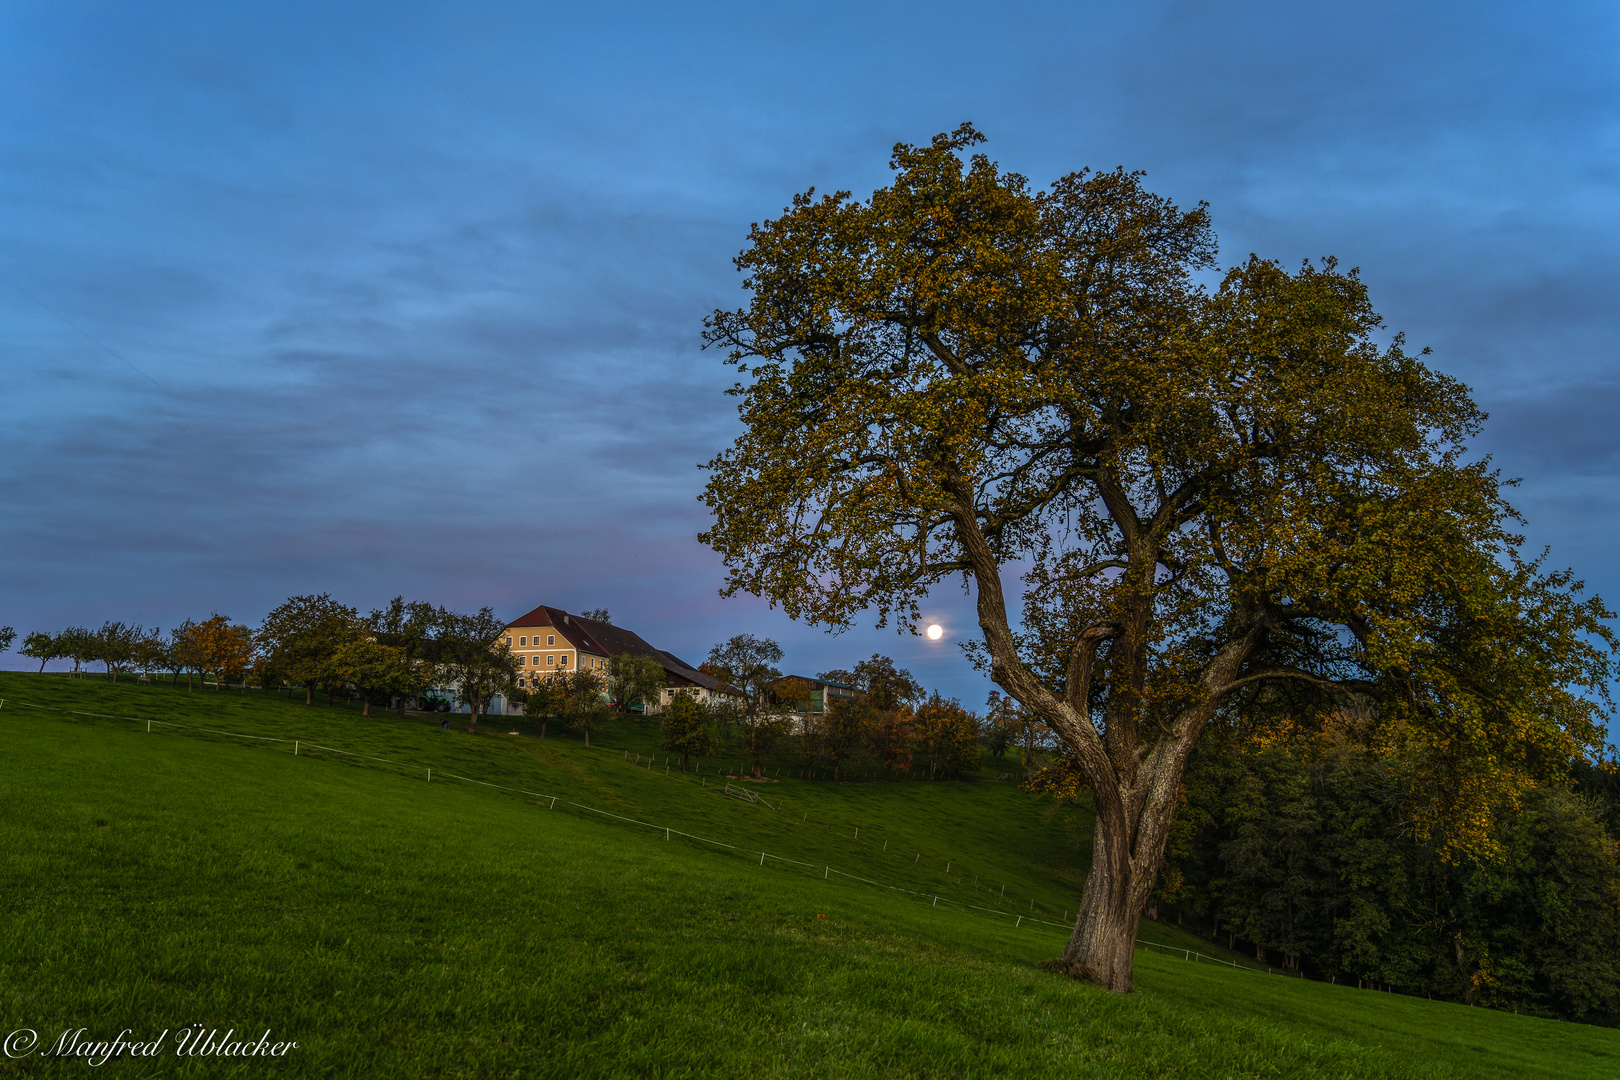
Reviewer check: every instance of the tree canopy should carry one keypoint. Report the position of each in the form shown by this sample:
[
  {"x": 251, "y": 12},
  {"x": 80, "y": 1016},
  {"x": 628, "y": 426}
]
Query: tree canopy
[{"x": 1245, "y": 496}]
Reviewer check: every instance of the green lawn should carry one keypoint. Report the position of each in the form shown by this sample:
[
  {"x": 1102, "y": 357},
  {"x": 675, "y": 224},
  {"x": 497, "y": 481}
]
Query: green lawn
[{"x": 395, "y": 927}]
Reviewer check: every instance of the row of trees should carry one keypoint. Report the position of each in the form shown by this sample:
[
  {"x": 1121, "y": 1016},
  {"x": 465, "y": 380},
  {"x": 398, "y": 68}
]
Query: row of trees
[
  {"x": 892, "y": 721},
  {"x": 394, "y": 653}
]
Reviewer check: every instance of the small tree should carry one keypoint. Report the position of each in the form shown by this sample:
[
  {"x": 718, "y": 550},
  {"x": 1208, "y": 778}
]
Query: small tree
[
  {"x": 891, "y": 737},
  {"x": 184, "y": 653},
  {"x": 687, "y": 727},
  {"x": 947, "y": 734},
  {"x": 301, "y": 637},
  {"x": 474, "y": 655},
  {"x": 1020, "y": 730},
  {"x": 79, "y": 645},
  {"x": 376, "y": 670},
  {"x": 633, "y": 680},
  {"x": 150, "y": 652},
  {"x": 7, "y": 636},
  {"x": 115, "y": 646},
  {"x": 838, "y": 736},
  {"x": 574, "y": 697},
  {"x": 221, "y": 648},
  {"x": 747, "y": 665},
  {"x": 42, "y": 647},
  {"x": 412, "y": 628}
]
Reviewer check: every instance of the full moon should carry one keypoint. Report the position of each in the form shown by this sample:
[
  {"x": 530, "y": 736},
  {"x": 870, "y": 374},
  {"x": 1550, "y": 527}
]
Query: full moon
[{"x": 934, "y": 632}]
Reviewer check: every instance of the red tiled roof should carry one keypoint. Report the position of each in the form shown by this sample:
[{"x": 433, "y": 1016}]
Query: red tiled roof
[{"x": 605, "y": 639}]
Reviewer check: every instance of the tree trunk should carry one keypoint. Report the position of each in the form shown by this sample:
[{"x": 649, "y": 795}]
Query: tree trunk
[
  {"x": 309, "y": 692},
  {"x": 1102, "y": 947},
  {"x": 365, "y": 708}
]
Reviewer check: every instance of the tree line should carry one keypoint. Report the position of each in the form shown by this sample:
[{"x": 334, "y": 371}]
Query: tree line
[
  {"x": 399, "y": 654},
  {"x": 1300, "y": 849},
  {"x": 890, "y": 720},
  {"x": 393, "y": 654}
]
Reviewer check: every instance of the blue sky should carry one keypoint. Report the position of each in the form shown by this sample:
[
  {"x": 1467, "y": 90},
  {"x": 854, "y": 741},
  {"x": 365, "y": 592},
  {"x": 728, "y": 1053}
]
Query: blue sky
[{"x": 406, "y": 298}]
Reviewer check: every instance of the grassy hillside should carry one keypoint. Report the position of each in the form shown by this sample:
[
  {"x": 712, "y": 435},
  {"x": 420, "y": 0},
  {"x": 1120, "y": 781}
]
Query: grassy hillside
[{"x": 404, "y": 928}]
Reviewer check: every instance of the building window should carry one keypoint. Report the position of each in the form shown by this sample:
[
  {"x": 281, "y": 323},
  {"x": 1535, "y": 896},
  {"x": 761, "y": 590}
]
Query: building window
[
  {"x": 522, "y": 660},
  {"x": 551, "y": 639},
  {"x": 551, "y": 661},
  {"x": 508, "y": 643},
  {"x": 520, "y": 682},
  {"x": 523, "y": 641},
  {"x": 563, "y": 662}
]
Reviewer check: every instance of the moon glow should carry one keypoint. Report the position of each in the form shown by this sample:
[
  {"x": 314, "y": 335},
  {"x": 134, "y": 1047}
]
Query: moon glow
[{"x": 934, "y": 632}]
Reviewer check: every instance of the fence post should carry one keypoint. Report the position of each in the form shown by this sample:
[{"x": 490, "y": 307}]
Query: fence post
[
  {"x": 825, "y": 870},
  {"x": 430, "y": 776},
  {"x": 295, "y": 748},
  {"x": 762, "y": 858},
  {"x": 1019, "y": 923}
]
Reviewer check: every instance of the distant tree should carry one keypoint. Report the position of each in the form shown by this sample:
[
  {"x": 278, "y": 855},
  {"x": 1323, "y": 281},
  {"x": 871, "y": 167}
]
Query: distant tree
[
  {"x": 887, "y": 686},
  {"x": 1020, "y": 729},
  {"x": 222, "y": 649},
  {"x": 574, "y": 697},
  {"x": 687, "y": 727},
  {"x": 892, "y": 738},
  {"x": 150, "y": 652},
  {"x": 377, "y": 670},
  {"x": 7, "y": 636},
  {"x": 635, "y": 680},
  {"x": 838, "y": 737},
  {"x": 42, "y": 647},
  {"x": 184, "y": 653},
  {"x": 474, "y": 657},
  {"x": 747, "y": 665},
  {"x": 115, "y": 646},
  {"x": 947, "y": 735},
  {"x": 79, "y": 645},
  {"x": 301, "y": 638},
  {"x": 599, "y": 614},
  {"x": 413, "y": 629}
]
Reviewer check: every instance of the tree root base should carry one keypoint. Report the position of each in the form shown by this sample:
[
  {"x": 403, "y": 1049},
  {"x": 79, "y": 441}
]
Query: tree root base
[{"x": 1070, "y": 970}]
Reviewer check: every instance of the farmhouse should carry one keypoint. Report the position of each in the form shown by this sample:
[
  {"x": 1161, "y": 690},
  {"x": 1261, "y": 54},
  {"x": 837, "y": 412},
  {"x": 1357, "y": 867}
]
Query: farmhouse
[{"x": 549, "y": 640}]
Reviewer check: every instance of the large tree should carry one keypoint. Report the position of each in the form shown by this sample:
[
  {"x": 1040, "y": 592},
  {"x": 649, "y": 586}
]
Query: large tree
[{"x": 1212, "y": 492}]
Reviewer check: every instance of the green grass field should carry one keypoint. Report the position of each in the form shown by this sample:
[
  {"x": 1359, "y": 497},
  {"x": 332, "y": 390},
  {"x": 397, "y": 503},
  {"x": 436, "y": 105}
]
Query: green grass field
[{"x": 397, "y": 927}]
